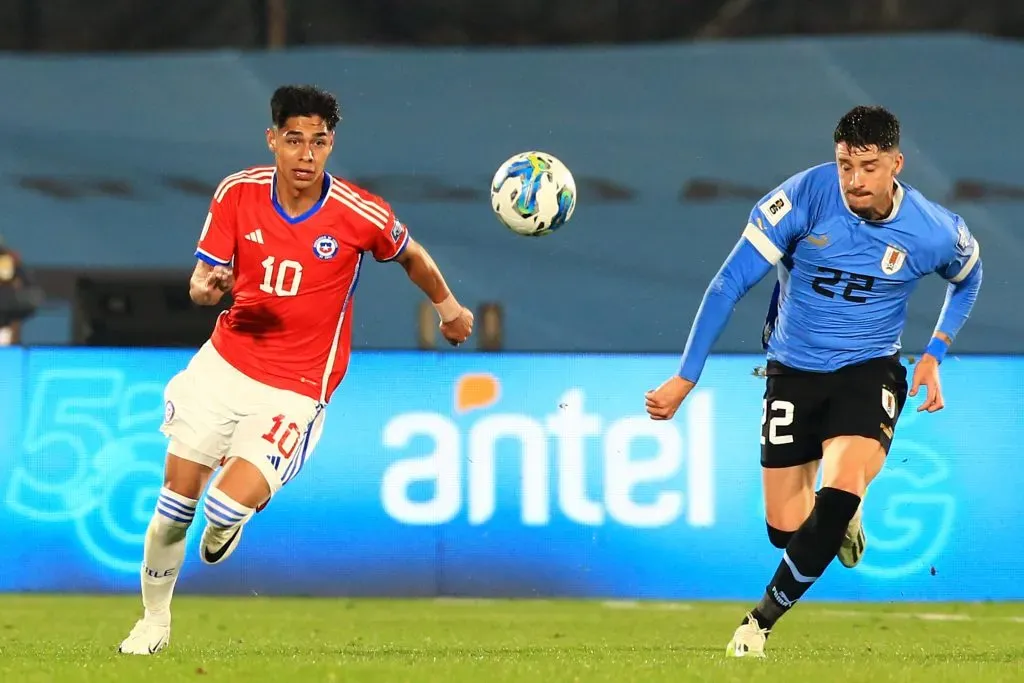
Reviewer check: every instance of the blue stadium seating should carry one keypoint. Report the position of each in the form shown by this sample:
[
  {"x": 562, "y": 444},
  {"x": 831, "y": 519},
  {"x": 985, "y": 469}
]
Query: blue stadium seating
[{"x": 108, "y": 162}]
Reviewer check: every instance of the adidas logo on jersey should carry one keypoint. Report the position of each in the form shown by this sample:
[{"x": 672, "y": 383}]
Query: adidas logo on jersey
[{"x": 255, "y": 236}]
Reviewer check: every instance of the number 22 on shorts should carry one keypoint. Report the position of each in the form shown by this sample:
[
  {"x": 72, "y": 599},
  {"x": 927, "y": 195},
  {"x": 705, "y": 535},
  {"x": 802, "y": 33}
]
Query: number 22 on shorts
[
  {"x": 286, "y": 442},
  {"x": 782, "y": 416}
]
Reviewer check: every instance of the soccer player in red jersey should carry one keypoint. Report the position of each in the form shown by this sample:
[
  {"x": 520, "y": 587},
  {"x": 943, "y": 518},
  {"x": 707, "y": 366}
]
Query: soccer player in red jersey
[{"x": 288, "y": 242}]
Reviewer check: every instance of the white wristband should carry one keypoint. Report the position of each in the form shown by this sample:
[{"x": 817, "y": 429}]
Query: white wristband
[{"x": 449, "y": 309}]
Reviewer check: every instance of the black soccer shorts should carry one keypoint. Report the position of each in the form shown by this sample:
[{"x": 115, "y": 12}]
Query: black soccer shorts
[{"x": 803, "y": 409}]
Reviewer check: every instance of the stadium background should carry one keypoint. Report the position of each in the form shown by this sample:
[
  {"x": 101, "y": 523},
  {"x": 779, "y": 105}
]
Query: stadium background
[{"x": 529, "y": 470}]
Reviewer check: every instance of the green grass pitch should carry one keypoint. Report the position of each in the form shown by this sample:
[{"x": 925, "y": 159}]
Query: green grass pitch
[{"x": 71, "y": 639}]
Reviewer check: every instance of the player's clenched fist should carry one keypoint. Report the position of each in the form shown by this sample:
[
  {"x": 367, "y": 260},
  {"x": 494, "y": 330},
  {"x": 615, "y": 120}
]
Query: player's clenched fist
[
  {"x": 221, "y": 278},
  {"x": 208, "y": 283},
  {"x": 457, "y": 330},
  {"x": 663, "y": 402}
]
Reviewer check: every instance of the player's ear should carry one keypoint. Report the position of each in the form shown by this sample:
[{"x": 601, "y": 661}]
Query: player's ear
[
  {"x": 271, "y": 140},
  {"x": 898, "y": 165}
]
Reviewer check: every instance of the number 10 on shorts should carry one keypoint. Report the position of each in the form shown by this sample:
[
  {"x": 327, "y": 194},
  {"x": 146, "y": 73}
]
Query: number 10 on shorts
[
  {"x": 286, "y": 442},
  {"x": 781, "y": 415}
]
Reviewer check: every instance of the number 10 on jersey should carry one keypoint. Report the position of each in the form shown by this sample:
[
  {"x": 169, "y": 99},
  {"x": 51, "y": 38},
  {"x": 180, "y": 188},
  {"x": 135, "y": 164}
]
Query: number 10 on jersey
[{"x": 282, "y": 280}]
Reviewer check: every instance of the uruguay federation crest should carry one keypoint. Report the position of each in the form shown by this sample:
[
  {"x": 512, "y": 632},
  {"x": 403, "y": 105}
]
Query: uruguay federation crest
[
  {"x": 893, "y": 260},
  {"x": 889, "y": 403},
  {"x": 325, "y": 247}
]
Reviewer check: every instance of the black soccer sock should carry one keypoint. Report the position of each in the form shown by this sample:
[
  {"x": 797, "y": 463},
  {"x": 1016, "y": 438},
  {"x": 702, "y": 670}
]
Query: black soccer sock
[
  {"x": 779, "y": 538},
  {"x": 809, "y": 552}
]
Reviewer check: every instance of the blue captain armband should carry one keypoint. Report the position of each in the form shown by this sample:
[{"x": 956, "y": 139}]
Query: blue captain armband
[{"x": 744, "y": 268}]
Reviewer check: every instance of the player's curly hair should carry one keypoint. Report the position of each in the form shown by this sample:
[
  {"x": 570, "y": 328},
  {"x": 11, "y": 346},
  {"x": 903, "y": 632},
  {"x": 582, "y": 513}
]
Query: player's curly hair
[
  {"x": 303, "y": 100},
  {"x": 866, "y": 126}
]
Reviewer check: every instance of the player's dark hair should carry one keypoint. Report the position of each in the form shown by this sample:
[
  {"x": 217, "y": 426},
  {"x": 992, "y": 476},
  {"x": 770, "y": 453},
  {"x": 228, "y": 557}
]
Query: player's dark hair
[
  {"x": 303, "y": 100},
  {"x": 866, "y": 126}
]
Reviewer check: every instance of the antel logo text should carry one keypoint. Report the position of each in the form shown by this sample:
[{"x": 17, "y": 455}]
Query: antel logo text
[{"x": 459, "y": 465}]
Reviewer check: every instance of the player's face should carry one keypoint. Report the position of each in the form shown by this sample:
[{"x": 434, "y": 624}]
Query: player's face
[
  {"x": 301, "y": 147},
  {"x": 868, "y": 176}
]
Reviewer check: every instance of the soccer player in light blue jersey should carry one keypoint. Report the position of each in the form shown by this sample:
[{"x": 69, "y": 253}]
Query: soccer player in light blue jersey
[{"x": 850, "y": 242}]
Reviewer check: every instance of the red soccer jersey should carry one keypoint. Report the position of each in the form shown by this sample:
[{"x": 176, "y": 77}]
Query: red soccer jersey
[{"x": 290, "y": 324}]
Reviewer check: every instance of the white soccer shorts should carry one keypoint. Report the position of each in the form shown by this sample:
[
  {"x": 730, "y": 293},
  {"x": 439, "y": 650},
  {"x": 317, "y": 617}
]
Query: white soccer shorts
[{"x": 212, "y": 411}]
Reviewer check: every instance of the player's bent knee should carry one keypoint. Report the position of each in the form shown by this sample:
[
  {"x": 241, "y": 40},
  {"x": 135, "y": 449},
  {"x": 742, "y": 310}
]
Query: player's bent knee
[
  {"x": 186, "y": 471},
  {"x": 245, "y": 482},
  {"x": 223, "y": 511},
  {"x": 778, "y": 537},
  {"x": 834, "y": 508},
  {"x": 851, "y": 463}
]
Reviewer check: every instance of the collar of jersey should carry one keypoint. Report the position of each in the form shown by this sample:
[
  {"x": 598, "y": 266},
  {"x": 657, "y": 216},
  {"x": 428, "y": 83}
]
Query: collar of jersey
[
  {"x": 312, "y": 210},
  {"x": 897, "y": 202}
]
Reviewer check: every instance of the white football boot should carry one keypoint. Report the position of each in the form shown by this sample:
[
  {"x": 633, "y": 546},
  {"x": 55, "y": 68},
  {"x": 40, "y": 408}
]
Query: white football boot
[
  {"x": 218, "y": 543},
  {"x": 855, "y": 542},
  {"x": 748, "y": 640},
  {"x": 147, "y": 637}
]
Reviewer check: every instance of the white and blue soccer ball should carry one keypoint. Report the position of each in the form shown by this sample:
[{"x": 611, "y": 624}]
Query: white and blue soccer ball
[{"x": 533, "y": 194}]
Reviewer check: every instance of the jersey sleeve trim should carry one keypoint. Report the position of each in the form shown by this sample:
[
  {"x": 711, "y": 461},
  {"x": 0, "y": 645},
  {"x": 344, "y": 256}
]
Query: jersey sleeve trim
[
  {"x": 374, "y": 214},
  {"x": 210, "y": 258},
  {"x": 401, "y": 248},
  {"x": 760, "y": 241},
  {"x": 972, "y": 261}
]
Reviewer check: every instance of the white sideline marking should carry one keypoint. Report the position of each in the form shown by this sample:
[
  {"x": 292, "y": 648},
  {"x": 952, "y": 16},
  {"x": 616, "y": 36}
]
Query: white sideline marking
[
  {"x": 939, "y": 616},
  {"x": 841, "y": 613},
  {"x": 636, "y": 604},
  {"x": 923, "y": 616},
  {"x": 687, "y": 607},
  {"x": 464, "y": 601},
  {"x": 673, "y": 606}
]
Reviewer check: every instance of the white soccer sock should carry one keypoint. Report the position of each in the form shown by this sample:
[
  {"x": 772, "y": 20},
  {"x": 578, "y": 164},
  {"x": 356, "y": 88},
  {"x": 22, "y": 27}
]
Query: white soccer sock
[
  {"x": 223, "y": 515},
  {"x": 164, "y": 552}
]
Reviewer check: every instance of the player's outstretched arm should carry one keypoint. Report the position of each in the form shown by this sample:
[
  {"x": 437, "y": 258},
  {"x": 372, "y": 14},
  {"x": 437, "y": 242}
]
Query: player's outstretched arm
[
  {"x": 456, "y": 320},
  {"x": 208, "y": 283},
  {"x": 745, "y": 267}
]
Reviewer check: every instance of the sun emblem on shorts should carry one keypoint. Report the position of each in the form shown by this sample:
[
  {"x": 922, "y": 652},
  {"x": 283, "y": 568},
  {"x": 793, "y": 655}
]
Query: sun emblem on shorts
[
  {"x": 168, "y": 412},
  {"x": 325, "y": 247}
]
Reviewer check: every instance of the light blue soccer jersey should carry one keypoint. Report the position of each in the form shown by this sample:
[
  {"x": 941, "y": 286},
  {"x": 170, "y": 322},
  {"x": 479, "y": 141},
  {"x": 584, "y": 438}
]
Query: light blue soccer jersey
[{"x": 845, "y": 282}]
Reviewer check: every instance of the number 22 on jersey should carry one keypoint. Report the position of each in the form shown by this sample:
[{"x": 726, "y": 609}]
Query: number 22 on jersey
[{"x": 282, "y": 280}]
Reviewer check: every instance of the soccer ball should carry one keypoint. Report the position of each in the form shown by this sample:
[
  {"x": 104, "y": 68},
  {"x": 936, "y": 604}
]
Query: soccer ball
[{"x": 533, "y": 194}]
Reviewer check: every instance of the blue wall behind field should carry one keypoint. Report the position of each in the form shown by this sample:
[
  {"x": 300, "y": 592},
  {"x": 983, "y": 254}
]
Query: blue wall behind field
[
  {"x": 123, "y": 135},
  {"x": 555, "y": 483}
]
